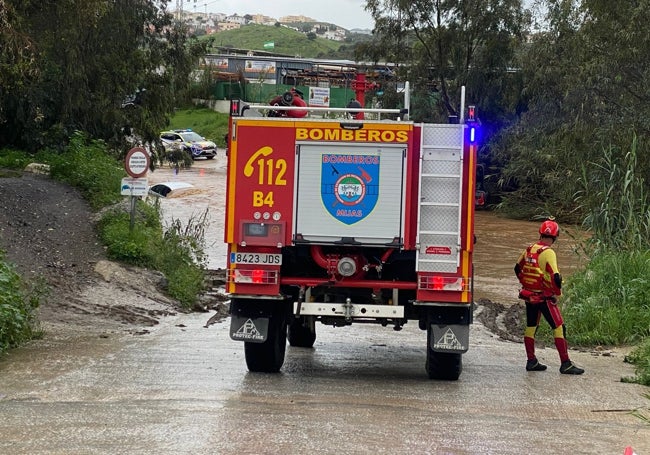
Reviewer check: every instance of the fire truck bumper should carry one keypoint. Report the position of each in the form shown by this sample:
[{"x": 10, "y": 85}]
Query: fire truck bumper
[{"x": 348, "y": 310}]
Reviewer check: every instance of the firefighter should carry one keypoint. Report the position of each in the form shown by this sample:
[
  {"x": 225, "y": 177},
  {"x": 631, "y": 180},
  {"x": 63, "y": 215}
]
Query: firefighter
[{"x": 541, "y": 283}]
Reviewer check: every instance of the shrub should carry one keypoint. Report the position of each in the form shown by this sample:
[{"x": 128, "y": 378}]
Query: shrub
[
  {"x": 640, "y": 357},
  {"x": 176, "y": 251},
  {"x": 86, "y": 165},
  {"x": 181, "y": 257},
  {"x": 13, "y": 159},
  {"x": 17, "y": 308},
  {"x": 608, "y": 302}
]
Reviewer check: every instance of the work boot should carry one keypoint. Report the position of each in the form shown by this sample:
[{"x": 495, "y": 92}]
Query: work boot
[
  {"x": 534, "y": 365},
  {"x": 569, "y": 367}
]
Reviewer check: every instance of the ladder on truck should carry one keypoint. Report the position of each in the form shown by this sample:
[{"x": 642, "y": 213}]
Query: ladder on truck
[{"x": 439, "y": 212}]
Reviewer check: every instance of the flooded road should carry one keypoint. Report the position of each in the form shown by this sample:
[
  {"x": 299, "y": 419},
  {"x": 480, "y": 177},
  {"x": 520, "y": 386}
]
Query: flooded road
[
  {"x": 184, "y": 388},
  {"x": 208, "y": 192},
  {"x": 499, "y": 240}
]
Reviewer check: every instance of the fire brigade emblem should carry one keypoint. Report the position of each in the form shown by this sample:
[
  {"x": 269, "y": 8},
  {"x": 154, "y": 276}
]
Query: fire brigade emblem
[{"x": 350, "y": 186}]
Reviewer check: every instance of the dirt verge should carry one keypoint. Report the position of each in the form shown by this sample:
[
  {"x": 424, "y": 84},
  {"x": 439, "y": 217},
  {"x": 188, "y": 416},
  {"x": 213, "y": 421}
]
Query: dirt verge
[{"x": 48, "y": 231}]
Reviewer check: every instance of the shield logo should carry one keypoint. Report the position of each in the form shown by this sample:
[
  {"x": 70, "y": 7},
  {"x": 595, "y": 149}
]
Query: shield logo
[{"x": 350, "y": 186}]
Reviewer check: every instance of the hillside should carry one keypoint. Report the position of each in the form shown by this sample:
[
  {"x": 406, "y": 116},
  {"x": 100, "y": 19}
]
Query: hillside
[{"x": 286, "y": 41}]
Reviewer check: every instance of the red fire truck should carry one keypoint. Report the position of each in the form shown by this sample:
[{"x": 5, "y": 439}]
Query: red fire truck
[{"x": 346, "y": 221}]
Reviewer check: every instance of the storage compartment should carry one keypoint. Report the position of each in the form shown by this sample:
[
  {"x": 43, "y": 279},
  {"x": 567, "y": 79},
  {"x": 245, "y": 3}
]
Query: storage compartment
[{"x": 351, "y": 194}]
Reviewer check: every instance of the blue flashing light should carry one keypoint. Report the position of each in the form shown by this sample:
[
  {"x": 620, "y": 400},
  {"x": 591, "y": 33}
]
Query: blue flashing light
[{"x": 472, "y": 134}]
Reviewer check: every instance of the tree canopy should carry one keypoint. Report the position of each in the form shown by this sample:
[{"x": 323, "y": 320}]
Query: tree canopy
[
  {"x": 71, "y": 64},
  {"x": 586, "y": 92},
  {"x": 445, "y": 45},
  {"x": 554, "y": 102}
]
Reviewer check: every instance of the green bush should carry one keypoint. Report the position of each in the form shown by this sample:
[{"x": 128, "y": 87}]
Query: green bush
[
  {"x": 640, "y": 357},
  {"x": 13, "y": 159},
  {"x": 177, "y": 251},
  {"x": 134, "y": 246},
  {"x": 181, "y": 257},
  {"x": 17, "y": 308},
  {"x": 86, "y": 165},
  {"x": 609, "y": 302}
]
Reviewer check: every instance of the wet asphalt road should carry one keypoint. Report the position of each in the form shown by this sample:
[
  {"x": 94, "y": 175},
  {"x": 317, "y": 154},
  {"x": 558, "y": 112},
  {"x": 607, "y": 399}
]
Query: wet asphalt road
[{"x": 184, "y": 389}]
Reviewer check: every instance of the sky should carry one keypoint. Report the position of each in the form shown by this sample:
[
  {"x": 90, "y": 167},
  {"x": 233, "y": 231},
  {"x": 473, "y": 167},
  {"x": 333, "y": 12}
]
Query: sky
[{"x": 348, "y": 14}]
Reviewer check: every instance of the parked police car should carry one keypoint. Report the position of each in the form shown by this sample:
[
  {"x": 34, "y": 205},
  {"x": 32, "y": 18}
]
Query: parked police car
[{"x": 190, "y": 141}]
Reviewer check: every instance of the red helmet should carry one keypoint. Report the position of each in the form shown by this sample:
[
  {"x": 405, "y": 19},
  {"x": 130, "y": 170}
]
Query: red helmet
[{"x": 549, "y": 228}]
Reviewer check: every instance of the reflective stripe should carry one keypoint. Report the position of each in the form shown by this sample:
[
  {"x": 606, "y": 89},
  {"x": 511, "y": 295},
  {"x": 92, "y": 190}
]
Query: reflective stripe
[{"x": 532, "y": 276}]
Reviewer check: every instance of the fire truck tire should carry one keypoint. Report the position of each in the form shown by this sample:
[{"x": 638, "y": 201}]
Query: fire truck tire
[
  {"x": 444, "y": 365},
  {"x": 302, "y": 332},
  {"x": 268, "y": 357}
]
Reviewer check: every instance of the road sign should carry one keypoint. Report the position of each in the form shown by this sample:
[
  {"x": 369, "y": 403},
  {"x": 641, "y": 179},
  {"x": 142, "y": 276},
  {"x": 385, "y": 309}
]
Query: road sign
[
  {"x": 134, "y": 186},
  {"x": 137, "y": 162}
]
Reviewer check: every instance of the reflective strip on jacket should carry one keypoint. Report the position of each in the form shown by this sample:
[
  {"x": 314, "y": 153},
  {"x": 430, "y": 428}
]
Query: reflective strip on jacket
[{"x": 538, "y": 266}]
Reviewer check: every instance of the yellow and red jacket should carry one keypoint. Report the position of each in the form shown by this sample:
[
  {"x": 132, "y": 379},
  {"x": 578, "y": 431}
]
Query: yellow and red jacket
[{"x": 538, "y": 267}]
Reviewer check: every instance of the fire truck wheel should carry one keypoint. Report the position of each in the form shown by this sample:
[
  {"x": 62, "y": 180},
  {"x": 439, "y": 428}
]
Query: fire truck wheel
[
  {"x": 443, "y": 365},
  {"x": 302, "y": 332},
  {"x": 268, "y": 357}
]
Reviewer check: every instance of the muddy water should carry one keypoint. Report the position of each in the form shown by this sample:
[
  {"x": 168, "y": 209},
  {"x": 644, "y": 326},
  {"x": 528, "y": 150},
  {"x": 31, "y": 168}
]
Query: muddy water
[
  {"x": 208, "y": 178},
  {"x": 499, "y": 240}
]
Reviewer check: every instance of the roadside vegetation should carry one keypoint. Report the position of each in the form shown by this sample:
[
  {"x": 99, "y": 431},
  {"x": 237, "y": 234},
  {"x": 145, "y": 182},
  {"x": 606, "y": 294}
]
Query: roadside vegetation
[
  {"x": 177, "y": 250},
  {"x": 608, "y": 302},
  {"x": 18, "y": 304}
]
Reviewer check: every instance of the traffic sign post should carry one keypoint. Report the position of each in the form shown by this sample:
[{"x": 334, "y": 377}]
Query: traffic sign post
[
  {"x": 134, "y": 187},
  {"x": 136, "y": 164}
]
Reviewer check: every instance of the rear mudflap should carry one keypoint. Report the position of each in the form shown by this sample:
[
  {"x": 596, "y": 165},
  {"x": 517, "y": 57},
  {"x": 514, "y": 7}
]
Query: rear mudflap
[
  {"x": 253, "y": 330},
  {"x": 449, "y": 338}
]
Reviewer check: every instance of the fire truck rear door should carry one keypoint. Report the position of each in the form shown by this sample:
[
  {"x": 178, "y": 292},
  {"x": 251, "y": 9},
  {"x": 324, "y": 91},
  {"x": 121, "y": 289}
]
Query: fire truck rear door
[{"x": 350, "y": 193}]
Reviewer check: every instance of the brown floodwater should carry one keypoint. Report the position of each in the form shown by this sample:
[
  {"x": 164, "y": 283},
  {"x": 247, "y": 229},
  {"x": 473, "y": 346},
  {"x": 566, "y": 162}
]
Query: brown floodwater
[{"x": 499, "y": 240}]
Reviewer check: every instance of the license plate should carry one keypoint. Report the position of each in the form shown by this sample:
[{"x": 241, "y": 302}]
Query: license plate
[{"x": 256, "y": 258}]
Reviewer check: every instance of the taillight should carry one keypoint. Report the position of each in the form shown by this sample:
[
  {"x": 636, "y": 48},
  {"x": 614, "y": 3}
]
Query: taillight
[
  {"x": 443, "y": 283},
  {"x": 253, "y": 276}
]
